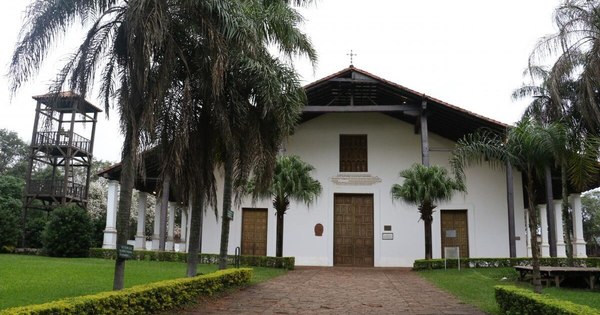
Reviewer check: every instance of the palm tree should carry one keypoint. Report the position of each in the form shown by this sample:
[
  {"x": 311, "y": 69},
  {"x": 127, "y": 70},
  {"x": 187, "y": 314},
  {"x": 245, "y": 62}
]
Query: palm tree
[
  {"x": 555, "y": 101},
  {"x": 291, "y": 182},
  {"x": 137, "y": 47},
  {"x": 577, "y": 43},
  {"x": 259, "y": 113},
  {"x": 425, "y": 186},
  {"x": 529, "y": 147}
]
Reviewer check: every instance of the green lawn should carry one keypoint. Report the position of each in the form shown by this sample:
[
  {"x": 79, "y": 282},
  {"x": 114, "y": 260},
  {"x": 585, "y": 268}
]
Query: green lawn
[
  {"x": 476, "y": 287},
  {"x": 28, "y": 280}
]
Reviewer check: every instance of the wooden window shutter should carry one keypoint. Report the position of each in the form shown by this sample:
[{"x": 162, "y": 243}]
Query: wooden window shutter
[{"x": 353, "y": 153}]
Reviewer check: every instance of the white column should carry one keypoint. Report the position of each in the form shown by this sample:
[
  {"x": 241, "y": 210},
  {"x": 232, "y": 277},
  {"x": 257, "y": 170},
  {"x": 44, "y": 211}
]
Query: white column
[
  {"x": 170, "y": 245},
  {"x": 578, "y": 242},
  {"x": 560, "y": 238},
  {"x": 140, "y": 236},
  {"x": 156, "y": 232},
  {"x": 545, "y": 248},
  {"x": 112, "y": 202},
  {"x": 183, "y": 229}
]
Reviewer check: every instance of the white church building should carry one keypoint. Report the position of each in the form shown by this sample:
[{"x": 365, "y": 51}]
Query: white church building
[{"x": 359, "y": 131}]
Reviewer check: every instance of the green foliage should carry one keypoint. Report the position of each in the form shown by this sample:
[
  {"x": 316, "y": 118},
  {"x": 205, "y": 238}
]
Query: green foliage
[
  {"x": 13, "y": 152},
  {"x": 292, "y": 181},
  {"x": 423, "y": 264},
  {"x": 254, "y": 261},
  {"x": 10, "y": 210},
  {"x": 514, "y": 300},
  {"x": 143, "y": 299},
  {"x": 426, "y": 185},
  {"x": 68, "y": 232},
  {"x": 591, "y": 222}
]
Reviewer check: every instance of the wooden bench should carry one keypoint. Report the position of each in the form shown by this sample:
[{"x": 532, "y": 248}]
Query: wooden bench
[{"x": 559, "y": 274}]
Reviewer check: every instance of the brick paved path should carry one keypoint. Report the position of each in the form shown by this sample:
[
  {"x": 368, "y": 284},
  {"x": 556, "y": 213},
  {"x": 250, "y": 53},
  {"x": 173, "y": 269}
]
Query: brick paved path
[{"x": 338, "y": 291}]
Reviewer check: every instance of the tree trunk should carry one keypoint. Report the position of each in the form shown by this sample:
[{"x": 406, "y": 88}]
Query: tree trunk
[
  {"x": 227, "y": 191},
  {"x": 566, "y": 217},
  {"x": 533, "y": 223},
  {"x": 550, "y": 212},
  {"x": 427, "y": 217},
  {"x": 164, "y": 210},
  {"x": 195, "y": 233},
  {"x": 279, "y": 251},
  {"x": 123, "y": 213}
]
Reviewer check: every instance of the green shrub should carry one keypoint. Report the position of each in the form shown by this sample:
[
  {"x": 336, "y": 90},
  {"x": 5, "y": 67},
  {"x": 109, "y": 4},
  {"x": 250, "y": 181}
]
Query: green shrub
[
  {"x": 142, "y": 299},
  {"x": 514, "y": 300},
  {"x": 254, "y": 261},
  {"x": 423, "y": 264},
  {"x": 68, "y": 232}
]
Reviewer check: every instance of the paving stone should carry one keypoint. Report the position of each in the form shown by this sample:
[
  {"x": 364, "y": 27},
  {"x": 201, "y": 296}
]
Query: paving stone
[{"x": 338, "y": 290}]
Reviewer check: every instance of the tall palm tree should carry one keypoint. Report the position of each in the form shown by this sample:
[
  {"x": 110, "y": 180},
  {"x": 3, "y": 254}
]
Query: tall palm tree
[
  {"x": 555, "y": 100},
  {"x": 291, "y": 182},
  {"x": 247, "y": 121},
  {"x": 131, "y": 44},
  {"x": 529, "y": 147},
  {"x": 259, "y": 113},
  {"x": 577, "y": 43},
  {"x": 425, "y": 186}
]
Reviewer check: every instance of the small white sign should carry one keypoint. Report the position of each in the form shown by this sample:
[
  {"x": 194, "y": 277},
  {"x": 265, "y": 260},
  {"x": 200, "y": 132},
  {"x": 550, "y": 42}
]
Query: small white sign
[
  {"x": 387, "y": 236},
  {"x": 450, "y": 233}
]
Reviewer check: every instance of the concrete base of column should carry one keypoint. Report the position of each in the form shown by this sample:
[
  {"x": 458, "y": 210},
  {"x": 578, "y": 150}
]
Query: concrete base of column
[
  {"x": 170, "y": 245},
  {"x": 110, "y": 239},
  {"x": 579, "y": 249},
  {"x": 181, "y": 246},
  {"x": 155, "y": 242},
  {"x": 140, "y": 242},
  {"x": 561, "y": 250},
  {"x": 545, "y": 250}
]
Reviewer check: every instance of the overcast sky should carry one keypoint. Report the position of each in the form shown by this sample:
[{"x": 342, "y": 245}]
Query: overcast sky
[{"x": 469, "y": 53}]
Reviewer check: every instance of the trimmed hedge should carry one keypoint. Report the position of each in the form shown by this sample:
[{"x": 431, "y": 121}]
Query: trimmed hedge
[
  {"x": 514, "y": 300},
  {"x": 423, "y": 264},
  {"x": 254, "y": 261},
  {"x": 142, "y": 299}
]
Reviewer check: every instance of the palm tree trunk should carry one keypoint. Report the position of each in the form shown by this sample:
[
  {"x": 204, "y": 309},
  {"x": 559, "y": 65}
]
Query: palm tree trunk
[
  {"x": 550, "y": 212},
  {"x": 123, "y": 213},
  {"x": 426, "y": 210},
  {"x": 279, "y": 244},
  {"x": 227, "y": 191},
  {"x": 533, "y": 223},
  {"x": 428, "y": 241},
  {"x": 195, "y": 232},
  {"x": 566, "y": 218}
]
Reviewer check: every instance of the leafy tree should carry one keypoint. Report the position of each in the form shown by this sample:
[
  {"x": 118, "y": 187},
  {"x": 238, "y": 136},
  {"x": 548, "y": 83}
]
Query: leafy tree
[
  {"x": 10, "y": 210},
  {"x": 424, "y": 186},
  {"x": 529, "y": 147},
  {"x": 13, "y": 154},
  {"x": 68, "y": 232},
  {"x": 291, "y": 182}
]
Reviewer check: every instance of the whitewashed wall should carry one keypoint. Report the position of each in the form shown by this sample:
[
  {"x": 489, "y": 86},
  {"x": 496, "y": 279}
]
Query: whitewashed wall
[{"x": 392, "y": 146}]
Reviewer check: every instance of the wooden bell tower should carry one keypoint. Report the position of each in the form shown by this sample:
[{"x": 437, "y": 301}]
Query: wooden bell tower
[{"x": 61, "y": 150}]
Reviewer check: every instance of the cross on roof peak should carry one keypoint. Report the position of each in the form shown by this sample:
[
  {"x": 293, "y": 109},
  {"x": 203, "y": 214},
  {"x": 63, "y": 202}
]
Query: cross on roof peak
[{"x": 351, "y": 54}]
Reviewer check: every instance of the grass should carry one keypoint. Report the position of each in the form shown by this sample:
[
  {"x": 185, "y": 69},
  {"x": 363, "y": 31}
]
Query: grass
[
  {"x": 476, "y": 287},
  {"x": 28, "y": 280}
]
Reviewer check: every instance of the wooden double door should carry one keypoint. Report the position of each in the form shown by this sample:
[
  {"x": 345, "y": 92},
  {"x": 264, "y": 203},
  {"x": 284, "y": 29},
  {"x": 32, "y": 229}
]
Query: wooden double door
[
  {"x": 353, "y": 230},
  {"x": 254, "y": 231}
]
